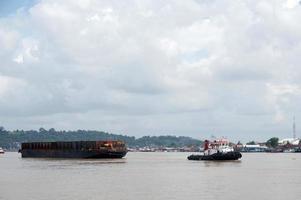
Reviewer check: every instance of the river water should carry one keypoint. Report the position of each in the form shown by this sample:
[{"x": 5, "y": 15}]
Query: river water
[{"x": 151, "y": 176}]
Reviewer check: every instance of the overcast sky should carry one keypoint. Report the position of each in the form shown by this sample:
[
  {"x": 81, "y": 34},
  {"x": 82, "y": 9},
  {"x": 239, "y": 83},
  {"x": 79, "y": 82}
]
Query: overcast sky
[{"x": 193, "y": 68}]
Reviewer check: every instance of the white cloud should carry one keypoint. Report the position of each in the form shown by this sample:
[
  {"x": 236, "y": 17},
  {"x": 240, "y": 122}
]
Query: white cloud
[
  {"x": 28, "y": 51},
  {"x": 19, "y": 59},
  {"x": 291, "y": 3},
  {"x": 172, "y": 66},
  {"x": 8, "y": 85}
]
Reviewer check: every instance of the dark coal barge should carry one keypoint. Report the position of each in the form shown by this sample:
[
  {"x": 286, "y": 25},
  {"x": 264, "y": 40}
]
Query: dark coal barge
[{"x": 74, "y": 149}]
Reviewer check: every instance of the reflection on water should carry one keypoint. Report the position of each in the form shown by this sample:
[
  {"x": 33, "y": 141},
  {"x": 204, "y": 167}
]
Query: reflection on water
[
  {"x": 63, "y": 163},
  {"x": 234, "y": 163},
  {"x": 151, "y": 176}
]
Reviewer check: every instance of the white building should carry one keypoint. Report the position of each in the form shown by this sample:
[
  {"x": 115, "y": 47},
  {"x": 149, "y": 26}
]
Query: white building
[
  {"x": 253, "y": 148},
  {"x": 293, "y": 141}
]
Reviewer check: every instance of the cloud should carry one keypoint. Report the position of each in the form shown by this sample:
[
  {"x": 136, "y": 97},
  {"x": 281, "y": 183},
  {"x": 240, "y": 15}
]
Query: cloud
[
  {"x": 147, "y": 67},
  {"x": 9, "y": 84}
]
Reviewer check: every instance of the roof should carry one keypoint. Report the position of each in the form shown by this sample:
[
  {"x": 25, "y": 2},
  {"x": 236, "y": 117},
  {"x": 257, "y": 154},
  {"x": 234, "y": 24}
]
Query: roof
[
  {"x": 294, "y": 141},
  {"x": 254, "y": 146}
]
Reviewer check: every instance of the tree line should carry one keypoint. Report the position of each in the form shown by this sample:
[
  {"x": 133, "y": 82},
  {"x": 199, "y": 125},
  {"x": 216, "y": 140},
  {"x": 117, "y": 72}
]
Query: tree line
[
  {"x": 12, "y": 139},
  {"x": 272, "y": 142}
]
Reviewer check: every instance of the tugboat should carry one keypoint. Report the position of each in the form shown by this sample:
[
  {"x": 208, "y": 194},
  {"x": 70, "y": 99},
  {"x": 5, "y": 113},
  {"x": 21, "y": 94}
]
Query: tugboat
[
  {"x": 1, "y": 151},
  {"x": 217, "y": 150}
]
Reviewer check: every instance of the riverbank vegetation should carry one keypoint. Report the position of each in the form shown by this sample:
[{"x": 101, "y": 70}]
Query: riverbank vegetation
[{"x": 11, "y": 139}]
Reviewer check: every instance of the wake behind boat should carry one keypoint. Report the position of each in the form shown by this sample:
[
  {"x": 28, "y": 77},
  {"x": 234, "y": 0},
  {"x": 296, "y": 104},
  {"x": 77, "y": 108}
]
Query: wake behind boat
[{"x": 217, "y": 150}]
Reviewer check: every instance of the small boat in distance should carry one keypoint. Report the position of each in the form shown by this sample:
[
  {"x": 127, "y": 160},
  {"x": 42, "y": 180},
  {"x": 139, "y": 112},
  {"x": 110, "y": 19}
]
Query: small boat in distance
[
  {"x": 1, "y": 151},
  {"x": 217, "y": 150}
]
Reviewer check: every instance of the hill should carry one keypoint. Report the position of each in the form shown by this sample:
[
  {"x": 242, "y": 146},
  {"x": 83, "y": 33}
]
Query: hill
[{"x": 11, "y": 139}]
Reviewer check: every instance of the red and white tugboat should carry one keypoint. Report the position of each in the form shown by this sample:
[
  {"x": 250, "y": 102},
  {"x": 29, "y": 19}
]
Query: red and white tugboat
[{"x": 217, "y": 150}]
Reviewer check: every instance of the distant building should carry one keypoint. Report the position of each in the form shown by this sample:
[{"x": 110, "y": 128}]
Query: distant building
[
  {"x": 292, "y": 141},
  {"x": 254, "y": 148}
]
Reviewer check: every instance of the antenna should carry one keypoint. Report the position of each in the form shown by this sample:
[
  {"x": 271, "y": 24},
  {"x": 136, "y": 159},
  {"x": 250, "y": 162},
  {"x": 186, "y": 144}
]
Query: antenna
[{"x": 294, "y": 128}]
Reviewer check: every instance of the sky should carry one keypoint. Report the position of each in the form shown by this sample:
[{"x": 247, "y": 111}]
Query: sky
[{"x": 194, "y": 68}]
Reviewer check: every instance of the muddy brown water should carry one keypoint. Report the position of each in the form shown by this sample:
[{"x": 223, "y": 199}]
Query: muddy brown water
[{"x": 151, "y": 176}]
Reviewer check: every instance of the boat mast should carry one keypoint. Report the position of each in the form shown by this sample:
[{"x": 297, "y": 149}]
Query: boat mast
[{"x": 294, "y": 128}]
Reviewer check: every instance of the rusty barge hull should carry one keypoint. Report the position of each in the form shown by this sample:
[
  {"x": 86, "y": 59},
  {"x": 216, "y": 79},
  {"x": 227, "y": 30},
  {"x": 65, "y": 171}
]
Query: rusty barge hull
[
  {"x": 70, "y": 154},
  {"x": 75, "y": 149}
]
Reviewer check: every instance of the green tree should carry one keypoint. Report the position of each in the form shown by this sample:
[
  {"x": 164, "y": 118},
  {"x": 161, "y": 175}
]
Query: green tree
[
  {"x": 2, "y": 129},
  {"x": 272, "y": 142},
  {"x": 12, "y": 139},
  {"x": 251, "y": 143},
  {"x": 42, "y": 130}
]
